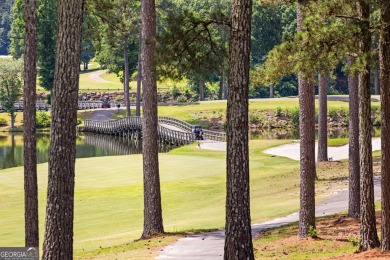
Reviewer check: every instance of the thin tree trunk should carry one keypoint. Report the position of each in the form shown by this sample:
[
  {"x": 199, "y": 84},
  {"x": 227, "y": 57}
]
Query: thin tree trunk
[
  {"x": 384, "y": 56},
  {"x": 376, "y": 81},
  {"x": 139, "y": 80},
  {"x": 322, "y": 155},
  {"x": 368, "y": 234},
  {"x": 238, "y": 242},
  {"x": 126, "y": 80},
  {"x": 201, "y": 89},
  {"x": 153, "y": 222},
  {"x": 58, "y": 239},
  {"x": 307, "y": 144},
  {"x": 29, "y": 100},
  {"x": 221, "y": 84},
  {"x": 225, "y": 88},
  {"x": 354, "y": 166},
  {"x": 271, "y": 90}
]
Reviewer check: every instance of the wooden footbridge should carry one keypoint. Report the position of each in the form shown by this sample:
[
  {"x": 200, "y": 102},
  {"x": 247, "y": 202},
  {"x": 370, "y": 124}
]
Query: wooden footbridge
[{"x": 170, "y": 130}]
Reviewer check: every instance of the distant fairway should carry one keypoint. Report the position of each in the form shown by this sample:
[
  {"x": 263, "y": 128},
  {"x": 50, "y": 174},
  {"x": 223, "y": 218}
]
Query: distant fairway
[{"x": 109, "y": 195}]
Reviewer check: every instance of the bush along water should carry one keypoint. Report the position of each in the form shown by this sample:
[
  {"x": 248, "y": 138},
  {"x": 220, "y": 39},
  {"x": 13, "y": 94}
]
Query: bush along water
[{"x": 285, "y": 118}]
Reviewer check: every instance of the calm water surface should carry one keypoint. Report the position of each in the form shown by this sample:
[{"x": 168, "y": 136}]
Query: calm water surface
[
  {"x": 87, "y": 145},
  {"x": 95, "y": 145}
]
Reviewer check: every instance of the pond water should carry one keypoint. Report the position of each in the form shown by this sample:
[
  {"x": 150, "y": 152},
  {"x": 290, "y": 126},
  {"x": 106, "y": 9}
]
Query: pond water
[
  {"x": 87, "y": 145},
  {"x": 95, "y": 145}
]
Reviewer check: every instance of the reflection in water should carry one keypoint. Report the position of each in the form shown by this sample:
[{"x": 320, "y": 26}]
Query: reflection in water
[
  {"x": 87, "y": 145},
  {"x": 95, "y": 145}
]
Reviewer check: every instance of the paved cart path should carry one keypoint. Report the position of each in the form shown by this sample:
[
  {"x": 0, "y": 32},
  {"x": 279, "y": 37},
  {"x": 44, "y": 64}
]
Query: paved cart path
[
  {"x": 96, "y": 76},
  {"x": 209, "y": 246}
]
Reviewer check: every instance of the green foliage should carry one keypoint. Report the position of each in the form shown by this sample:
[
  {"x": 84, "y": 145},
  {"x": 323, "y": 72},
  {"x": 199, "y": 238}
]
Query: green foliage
[
  {"x": 5, "y": 25},
  {"x": 10, "y": 84},
  {"x": 47, "y": 37},
  {"x": 255, "y": 117},
  {"x": 16, "y": 34},
  {"x": 43, "y": 119},
  {"x": 293, "y": 114},
  {"x": 322, "y": 45},
  {"x": 196, "y": 33},
  {"x": 313, "y": 233},
  {"x": 3, "y": 122},
  {"x": 355, "y": 241},
  {"x": 112, "y": 26}
]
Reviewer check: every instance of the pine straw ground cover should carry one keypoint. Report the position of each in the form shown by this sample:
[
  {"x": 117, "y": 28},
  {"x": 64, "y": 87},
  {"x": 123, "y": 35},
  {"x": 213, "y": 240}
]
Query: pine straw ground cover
[{"x": 338, "y": 238}]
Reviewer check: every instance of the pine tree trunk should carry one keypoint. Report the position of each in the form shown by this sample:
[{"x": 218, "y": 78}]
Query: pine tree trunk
[
  {"x": 139, "y": 79},
  {"x": 368, "y": 234},
  {"x": 58, "y": 239},
  {"x": 238, "y": 242},
  {"x": 29, "y": 100},
  {"x": 322, "y": 155},
  {"x": 354, "y": 166},
  {"x": 153, "y": 222},
  {"x": 201, "y": 90},
  {"x": 271, "y": 91},
  {"x": 384, "y": 56},
  {"x": 221, "y": 84},
  {"x": 307, "y": 144},
  {"x": 376, "y": 81},
  {"x": 126, "y": 81}
]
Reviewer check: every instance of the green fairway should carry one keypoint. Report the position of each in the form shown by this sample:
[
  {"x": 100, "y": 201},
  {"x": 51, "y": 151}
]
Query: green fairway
[{"x": 109, "y": 200}]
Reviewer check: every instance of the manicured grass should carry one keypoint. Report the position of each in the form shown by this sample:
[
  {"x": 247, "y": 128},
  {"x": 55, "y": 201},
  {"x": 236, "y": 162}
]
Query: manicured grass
[
  {"x": 109, "y": 205},
  {"x": 338, "y": 141}
]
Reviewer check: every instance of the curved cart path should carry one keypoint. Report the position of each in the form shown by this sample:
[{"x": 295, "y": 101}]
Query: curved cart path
[
  {"x": 103, "y": 114},
  {"x": 209, "y": 246},
  {"x": 96, "y": 76}
]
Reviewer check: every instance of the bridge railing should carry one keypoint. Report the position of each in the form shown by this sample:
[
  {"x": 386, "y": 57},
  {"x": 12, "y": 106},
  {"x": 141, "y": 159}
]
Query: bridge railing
[
  {"x": 213, "y": 135},
  {"x": 175, "y": 122},
  {"x": 119, "y": 126}
]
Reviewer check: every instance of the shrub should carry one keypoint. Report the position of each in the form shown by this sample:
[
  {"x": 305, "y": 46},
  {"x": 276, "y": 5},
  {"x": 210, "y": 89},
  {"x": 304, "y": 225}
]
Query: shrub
[
  {"x": 279, "y": 111},
  {"x": 43, "y": 119},
  {"x": 3, "y": 122},
  {"x": 294, "y": 115},
  {"x": 255, "y": 117}
]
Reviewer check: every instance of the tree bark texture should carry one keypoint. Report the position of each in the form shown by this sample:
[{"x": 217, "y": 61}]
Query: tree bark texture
[
  {"x": 58, "y": 239},
  {"x": 153, "y": 222},
  {"x": 238, "y": 241},
  {"x": 384, "y": 56},
  {"x": 354, "y": 159},
  {"x": 29, "y": 100},
  {"x": 271, "y": 91},
  {"x": 126, "y": 80},
  {"x": 139, "y": 80},
  {"x": 368, "y": 233},
  {"x": 307, "y": 144},
  {"x": 322, "y": 155},
  {"x": 376, "y": 81},
  {"x": 222, "y": 81},
  {"x": 201, "y": 89}
]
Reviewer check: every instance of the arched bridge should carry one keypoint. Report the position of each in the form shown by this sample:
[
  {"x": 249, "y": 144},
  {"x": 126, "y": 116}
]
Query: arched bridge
[{"x": 170, "y": 130}]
